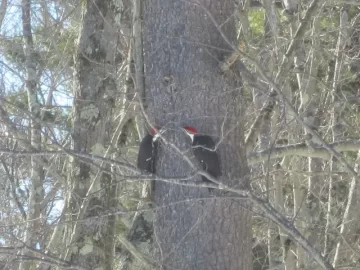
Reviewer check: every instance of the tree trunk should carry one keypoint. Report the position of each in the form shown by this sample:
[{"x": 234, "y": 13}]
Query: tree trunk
[
  {"x": 32, "y": 234},
  {"x": 183, "y": 50},
  {"x": 92, "y": 240}
]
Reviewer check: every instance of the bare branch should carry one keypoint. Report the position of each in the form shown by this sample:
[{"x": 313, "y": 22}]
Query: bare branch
[
  {"x": 288, "y": 227},
  {"x": 284, "y": 67},
  {"x": 303, "y": 150}
]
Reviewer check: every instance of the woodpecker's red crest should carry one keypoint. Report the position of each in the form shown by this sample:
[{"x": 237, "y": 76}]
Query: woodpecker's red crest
[
  {"x": 154, "y": 131},
  {"x": 191, "y": 130}
]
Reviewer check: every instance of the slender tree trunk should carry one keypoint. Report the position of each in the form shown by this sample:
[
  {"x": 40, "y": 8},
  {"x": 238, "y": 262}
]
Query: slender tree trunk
[
  {"x": 183, "y": 50},
  {"x": 35, "y": 209},
  {"x": 92, "y": 240},
  {"x": 338, "y": 128},
  {"x": 3, "y": 7}
]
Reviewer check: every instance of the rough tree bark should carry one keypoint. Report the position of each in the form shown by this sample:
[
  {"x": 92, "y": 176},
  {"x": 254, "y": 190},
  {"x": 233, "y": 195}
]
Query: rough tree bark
[
  {"x": 92, "y": 241},
  {"x": 184, "y": 86}
]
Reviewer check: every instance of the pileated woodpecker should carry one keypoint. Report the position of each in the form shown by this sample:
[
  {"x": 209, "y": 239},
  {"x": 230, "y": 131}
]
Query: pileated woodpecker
[
  {"x": 204, "y": 151},
  {"x": 148, "y": 151}
]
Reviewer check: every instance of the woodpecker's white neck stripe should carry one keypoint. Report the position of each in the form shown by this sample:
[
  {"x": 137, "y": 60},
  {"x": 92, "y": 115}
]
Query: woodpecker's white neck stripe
[
  {"x": 191, "y": 136},
  {"x": 156, "y": 136}
]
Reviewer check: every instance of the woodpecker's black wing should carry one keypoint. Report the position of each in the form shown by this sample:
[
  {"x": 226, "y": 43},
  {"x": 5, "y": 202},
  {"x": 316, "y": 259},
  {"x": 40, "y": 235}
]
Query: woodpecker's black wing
[
  {"x": 147, "y": 154},
  {"x": 207, "y": 156}
]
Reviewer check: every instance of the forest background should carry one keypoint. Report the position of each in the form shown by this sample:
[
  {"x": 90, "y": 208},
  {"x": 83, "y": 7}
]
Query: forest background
[{"x": 275, "y": 83}]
